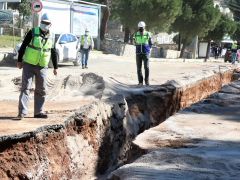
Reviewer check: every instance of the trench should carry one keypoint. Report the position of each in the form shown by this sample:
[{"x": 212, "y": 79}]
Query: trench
[{"x": 97, "y": 138}]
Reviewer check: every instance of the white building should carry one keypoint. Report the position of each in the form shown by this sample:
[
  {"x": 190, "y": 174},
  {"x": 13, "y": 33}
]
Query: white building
[{"x": 223, "y": 7}]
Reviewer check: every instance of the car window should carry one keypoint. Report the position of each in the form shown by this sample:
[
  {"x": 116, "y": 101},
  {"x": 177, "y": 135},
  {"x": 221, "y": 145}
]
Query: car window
[
  {"x": 63, "y": 39},
  {"x": 72, "y": 38}
]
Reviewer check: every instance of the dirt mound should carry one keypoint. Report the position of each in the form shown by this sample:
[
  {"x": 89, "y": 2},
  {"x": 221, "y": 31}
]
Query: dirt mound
[
  {"x": 88, "y": 84},
  {"x": 17, "y": 81},
  {"x": 8, "y": 60},
  {"x": 69, "y": 86}
]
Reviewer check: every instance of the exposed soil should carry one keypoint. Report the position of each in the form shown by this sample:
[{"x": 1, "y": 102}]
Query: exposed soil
[
  {"x": 199, "y": 142},
  {"x": 79, "y": 142}
]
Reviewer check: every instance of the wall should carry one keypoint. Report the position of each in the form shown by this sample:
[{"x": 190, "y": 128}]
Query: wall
[
  {"x": 119, "y": 48},
  {"x": 9, "y": 31}
]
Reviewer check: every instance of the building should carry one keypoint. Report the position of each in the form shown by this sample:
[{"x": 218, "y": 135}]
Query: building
[{"x": 223, "y": 7}]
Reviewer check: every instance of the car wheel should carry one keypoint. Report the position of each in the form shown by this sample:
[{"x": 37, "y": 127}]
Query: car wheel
[
  {"x": 78, "y": 59},
  {"x": 76, "y": 63}
]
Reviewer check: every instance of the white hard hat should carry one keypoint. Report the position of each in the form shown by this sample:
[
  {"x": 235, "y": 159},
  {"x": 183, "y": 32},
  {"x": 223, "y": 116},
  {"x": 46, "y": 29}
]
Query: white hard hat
[
  {"x": 45, "y": 18},
  {"x": 141, "y": 24}
]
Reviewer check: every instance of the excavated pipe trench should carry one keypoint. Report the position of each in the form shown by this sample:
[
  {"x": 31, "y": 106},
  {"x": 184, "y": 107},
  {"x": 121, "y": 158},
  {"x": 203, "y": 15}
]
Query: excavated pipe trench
[{"x": 98, "y": 138}]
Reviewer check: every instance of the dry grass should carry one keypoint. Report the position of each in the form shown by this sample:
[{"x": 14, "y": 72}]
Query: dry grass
[{"x": 8, "y": 41}]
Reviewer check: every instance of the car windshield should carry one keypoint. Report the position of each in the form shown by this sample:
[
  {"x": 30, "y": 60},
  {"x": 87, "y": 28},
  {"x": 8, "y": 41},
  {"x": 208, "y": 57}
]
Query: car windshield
[{"x": 71, "y": 38}]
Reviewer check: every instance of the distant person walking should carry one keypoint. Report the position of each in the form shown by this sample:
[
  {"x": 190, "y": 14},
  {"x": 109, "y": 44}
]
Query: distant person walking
[
  {"x": 34, "y": 55},
  {"x": 143, "y": 43},
  {"x": 216, "y": 52},
  {"x": 234, "y": 52},
  {"x": 86, "y": 44}
]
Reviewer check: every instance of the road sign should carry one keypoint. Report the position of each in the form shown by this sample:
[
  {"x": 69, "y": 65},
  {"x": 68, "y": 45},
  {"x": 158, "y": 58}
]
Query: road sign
[
  {"x": 37, "y": 6},
  {"x": 6, "y": 17}
]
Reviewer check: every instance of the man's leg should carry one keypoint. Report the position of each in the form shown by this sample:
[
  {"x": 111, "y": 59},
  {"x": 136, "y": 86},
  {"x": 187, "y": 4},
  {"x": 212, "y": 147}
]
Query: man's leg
[
  {"x": 40, "y": 89},
  {"x": 233, "y": 57},
  {"x": 83, "y": 56},
  {"x": 146, "y": 67},
  {"x": 139, "y": 68},
  {"x": 27, "y": 78},
  {"x": 79, "y": 56},
  {"x": 86, "y": 58}
]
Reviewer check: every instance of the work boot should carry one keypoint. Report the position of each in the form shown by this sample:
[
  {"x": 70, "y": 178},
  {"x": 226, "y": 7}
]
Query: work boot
[
  {"x": 82, "y": 67},
  {"x": 86, "y": 67},
  {"x": 140, "y": 84},
  {"x": 41, "y": 115},
  {"x": 147, "y": 83},
  {"x": 19, "y": 117}
]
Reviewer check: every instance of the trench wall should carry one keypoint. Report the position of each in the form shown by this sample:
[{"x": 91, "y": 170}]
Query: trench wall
[{"x": 97, "y": 138}]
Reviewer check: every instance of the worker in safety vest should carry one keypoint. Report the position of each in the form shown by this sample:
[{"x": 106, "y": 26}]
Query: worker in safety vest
[
  {"x": 34, "y": 55},
  {"x": 143, "y": 42},
  {"x": 234, "y": 51},
  {"x": 86, "y": 44}
]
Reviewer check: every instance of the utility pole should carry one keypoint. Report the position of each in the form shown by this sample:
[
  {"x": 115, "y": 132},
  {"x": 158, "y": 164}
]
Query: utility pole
[{"x": 5, "y": 6}]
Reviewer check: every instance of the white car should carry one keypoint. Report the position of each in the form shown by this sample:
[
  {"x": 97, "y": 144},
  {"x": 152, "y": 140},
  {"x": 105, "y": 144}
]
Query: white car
[{"x": 65, "y": 45}]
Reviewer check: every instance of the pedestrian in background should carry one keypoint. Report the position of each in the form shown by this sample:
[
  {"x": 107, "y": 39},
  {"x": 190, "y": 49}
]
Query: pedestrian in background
[
  {"x": 143, "y": 43},
  {"x": 86, "y": 44},
  {"x": 234, "y": 52},
  {"x": 216, "y": 52},
  {"x": 34, "y": 55}
]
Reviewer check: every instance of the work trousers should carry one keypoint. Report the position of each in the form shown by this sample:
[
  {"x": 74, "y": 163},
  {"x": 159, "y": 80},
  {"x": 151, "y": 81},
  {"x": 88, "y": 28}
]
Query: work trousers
[
  {"x": 234, "y": 57},
  {"x": 145, "y": 59},
  {"x": 85, "y": 55},
  {"x": 28, "y": 73}
]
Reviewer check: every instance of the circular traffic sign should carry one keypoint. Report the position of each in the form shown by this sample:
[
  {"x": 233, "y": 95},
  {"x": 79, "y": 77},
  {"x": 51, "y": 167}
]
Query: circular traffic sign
[{"x": 37, "y": 6}]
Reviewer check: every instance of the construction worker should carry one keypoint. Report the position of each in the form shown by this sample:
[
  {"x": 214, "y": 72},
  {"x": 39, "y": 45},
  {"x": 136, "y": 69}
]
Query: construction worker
[
  {"x": 86, "y": 44},
  {"x": 234, "y": 52},
  {"x": 143, "y": 42},
  {"x": 34, "y": 55}
]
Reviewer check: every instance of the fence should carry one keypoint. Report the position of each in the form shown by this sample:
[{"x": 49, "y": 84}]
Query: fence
[{"x": 12, "y": 32}]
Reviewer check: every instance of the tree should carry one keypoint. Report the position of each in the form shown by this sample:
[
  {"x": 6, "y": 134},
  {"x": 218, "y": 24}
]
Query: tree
[
  {"x": 236, "y": 35},
  {"x": 25, "y": 9},
  {"x": 106, "y": 12},
  {"x": 197, "y": 18},
  {"x": 158, "y": 14},
  {"x": 224, "y": 26},
  {"x": 13, "y": 5}
]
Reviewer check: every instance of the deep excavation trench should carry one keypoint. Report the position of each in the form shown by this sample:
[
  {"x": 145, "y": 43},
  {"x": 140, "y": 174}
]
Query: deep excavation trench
[{"x": 97, "y": 138}]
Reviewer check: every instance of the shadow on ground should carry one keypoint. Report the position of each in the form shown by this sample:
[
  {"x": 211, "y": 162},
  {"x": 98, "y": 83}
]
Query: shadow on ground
[{"x": 8, "y": 60}]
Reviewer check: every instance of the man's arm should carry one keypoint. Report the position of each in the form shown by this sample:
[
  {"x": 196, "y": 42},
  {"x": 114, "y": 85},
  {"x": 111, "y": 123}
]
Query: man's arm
[
  {"x": 25, "y": 43},
  {"x": 134, "y": 39},
  {"x": 78, "y": 42},
  {"x": 54, "y": 58},
  {"x": 150, "y": 40}
]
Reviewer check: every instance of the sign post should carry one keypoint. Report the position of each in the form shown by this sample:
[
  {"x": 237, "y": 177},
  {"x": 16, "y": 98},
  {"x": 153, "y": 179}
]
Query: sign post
[{"x": 36, "y": 8}]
